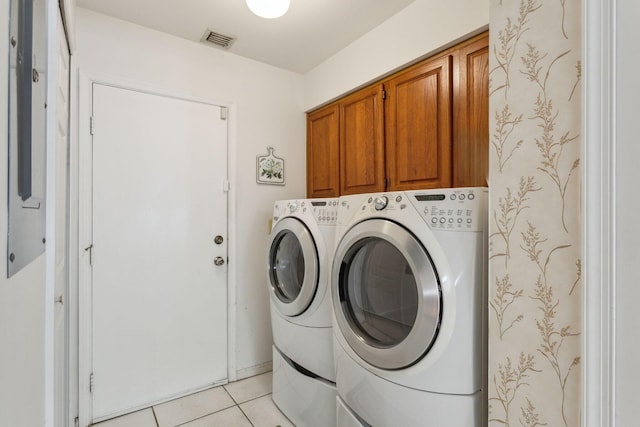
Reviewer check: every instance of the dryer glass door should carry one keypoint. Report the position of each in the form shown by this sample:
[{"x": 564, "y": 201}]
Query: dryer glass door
[
  {"x": 386, "y": 294},
  {"x": 293, "y": 266},
  {"x": 381, "y": 295}
]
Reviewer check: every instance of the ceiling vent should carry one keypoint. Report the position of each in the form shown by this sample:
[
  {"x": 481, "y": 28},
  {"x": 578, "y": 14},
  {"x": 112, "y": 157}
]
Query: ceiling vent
[{"x": 217, "y": 39}]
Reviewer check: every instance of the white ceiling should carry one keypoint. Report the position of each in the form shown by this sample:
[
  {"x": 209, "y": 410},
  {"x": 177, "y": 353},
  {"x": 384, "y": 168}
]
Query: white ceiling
[{"x": 310, "y": 32}]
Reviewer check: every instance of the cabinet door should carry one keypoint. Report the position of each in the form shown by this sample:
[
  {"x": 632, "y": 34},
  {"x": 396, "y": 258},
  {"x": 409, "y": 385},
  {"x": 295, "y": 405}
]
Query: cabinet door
[
  {"x": 361, "y": 142},
  {"x": 418, "y": 126},
  {"x": 323, "y": 133},
  {"x": 471, "y": 125}
]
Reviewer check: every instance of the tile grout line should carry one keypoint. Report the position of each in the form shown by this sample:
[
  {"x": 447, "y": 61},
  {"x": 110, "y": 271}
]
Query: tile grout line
[
  {"x": 155, "y": 416},
  {"x": 236, "y": 403},
  {"x": 204, "y": 416},
  {"x": 229, "y": 394},
  {"x": 246, "y": 416},
  {"x": 238, "y": 406},
  {"x": 269, "y": 393}
]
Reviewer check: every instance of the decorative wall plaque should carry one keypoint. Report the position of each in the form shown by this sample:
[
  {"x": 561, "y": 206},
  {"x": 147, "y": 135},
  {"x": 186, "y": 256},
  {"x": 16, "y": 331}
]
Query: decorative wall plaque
[{"x": 270, "y": 169}]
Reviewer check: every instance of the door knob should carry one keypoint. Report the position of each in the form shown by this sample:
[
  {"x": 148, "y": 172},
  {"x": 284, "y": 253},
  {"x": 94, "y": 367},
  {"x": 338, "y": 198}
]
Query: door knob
[{"x": 218, "y": 260}]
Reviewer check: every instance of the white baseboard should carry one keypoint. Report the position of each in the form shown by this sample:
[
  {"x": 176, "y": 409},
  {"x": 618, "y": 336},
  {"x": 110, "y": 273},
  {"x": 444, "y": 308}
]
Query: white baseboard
[{"x": 254, "y": 370}]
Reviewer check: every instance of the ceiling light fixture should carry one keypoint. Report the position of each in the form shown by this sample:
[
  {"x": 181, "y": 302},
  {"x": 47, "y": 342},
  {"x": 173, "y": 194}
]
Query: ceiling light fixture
[{"x": 269, "y": 8}]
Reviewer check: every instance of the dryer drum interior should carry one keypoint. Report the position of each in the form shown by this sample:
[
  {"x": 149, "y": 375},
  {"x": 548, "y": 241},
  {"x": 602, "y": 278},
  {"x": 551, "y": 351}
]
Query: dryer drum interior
[
  {"x": 388, "y": 302},
  {"x": 293, "y": 267}
]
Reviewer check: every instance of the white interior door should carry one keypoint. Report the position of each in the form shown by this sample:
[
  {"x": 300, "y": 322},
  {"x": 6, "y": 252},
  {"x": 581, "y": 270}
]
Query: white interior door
[{"x": 159, "y": 314}]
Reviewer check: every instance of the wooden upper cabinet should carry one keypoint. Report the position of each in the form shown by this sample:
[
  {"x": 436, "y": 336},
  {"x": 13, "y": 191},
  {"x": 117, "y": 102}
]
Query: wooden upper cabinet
[
  {"x": 362, "y": 142},
  {"x": 418, "y": 126},
  {"x": 471, "y": 126},
  {"x": 426, "y": 126},
  {"x": 323, "y": 152}
]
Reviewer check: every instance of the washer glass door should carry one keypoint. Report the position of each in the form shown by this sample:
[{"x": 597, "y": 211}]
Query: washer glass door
[
  {"x": 293, "y": 266},
  {"x": 387, "y": 296}
]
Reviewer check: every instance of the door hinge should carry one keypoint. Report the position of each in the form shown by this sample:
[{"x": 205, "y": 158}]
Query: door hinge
[
  {"x": 90, "y": 250},
  {"x": 224, "y": 113},
  {"x": 92, "y": 125},
  {"x": 384, "y": 94},
  {"x": 92, "y": 384},
  {"x": 226, "y": 186},
  {"x": 76, "y": 421}
]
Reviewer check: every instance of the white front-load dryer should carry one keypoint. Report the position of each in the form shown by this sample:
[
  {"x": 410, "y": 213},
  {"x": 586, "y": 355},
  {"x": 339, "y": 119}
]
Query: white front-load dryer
[
  {"x": 409, "y": 290},
  {"x": 299, "y": 257}
]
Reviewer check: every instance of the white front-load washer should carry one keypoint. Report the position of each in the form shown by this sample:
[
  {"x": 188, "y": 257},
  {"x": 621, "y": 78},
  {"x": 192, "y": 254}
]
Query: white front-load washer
[
  {"x": 409, "y": 283},
  {"x": 299, "y": 257}
]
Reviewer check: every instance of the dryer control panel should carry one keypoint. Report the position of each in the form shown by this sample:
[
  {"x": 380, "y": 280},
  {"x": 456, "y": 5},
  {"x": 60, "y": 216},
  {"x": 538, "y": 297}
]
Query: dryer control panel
[
  {"x": 451, "y": 209},
  {"x": 454, "y": 209}
]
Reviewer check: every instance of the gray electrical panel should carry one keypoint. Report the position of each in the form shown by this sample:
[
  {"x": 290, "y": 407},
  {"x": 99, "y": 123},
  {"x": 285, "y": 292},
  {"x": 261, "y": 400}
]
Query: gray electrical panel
[{"x": 27, "y": 133}]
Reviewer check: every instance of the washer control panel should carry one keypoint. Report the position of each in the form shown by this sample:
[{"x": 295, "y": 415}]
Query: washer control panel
[{"x": 325, "y": 211}]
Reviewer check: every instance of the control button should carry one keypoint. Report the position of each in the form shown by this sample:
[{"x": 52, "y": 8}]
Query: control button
[
  {"x": 370, "y": 200},
  {"x": 293, "y": 207},
  {"x": 399, "y": 199},
  {"x": 469, "y": 220},
  {"x": 471, "y": 196},
  {"x": 450, "y": 220},
  {"x": 461, "y": 197},
  {"x": 434, "y": 220},
  {"x": 459, "y": 220},
  {"x": 453, "y": 196},
  {"x": 443, "y": 220}
]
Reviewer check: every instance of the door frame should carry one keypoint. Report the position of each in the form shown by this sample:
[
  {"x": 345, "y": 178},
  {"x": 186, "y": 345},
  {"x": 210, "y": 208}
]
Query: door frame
[{"x": 80, "y": 233}]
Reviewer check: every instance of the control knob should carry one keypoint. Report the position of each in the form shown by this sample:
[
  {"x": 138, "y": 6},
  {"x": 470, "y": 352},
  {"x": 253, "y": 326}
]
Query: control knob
[{"x": 381, "y": 202}]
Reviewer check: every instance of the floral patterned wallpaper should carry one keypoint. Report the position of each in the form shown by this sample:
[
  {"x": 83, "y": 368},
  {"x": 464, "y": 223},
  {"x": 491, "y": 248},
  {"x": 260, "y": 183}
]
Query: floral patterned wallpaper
[{"x": 535, "y": 226}]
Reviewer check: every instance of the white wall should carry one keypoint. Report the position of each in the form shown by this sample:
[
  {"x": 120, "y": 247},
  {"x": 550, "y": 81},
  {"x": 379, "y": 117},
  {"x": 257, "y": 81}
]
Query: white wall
[
  {"x": 269, "y": 109},
  {"x": 627, "y": 234},
  {"x": 22, "y": 298},
  {"x": 421, "y": 28}
]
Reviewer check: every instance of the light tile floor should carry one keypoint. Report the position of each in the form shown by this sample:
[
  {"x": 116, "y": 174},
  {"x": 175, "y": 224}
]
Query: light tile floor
[{"x": 245, "y": 403}]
